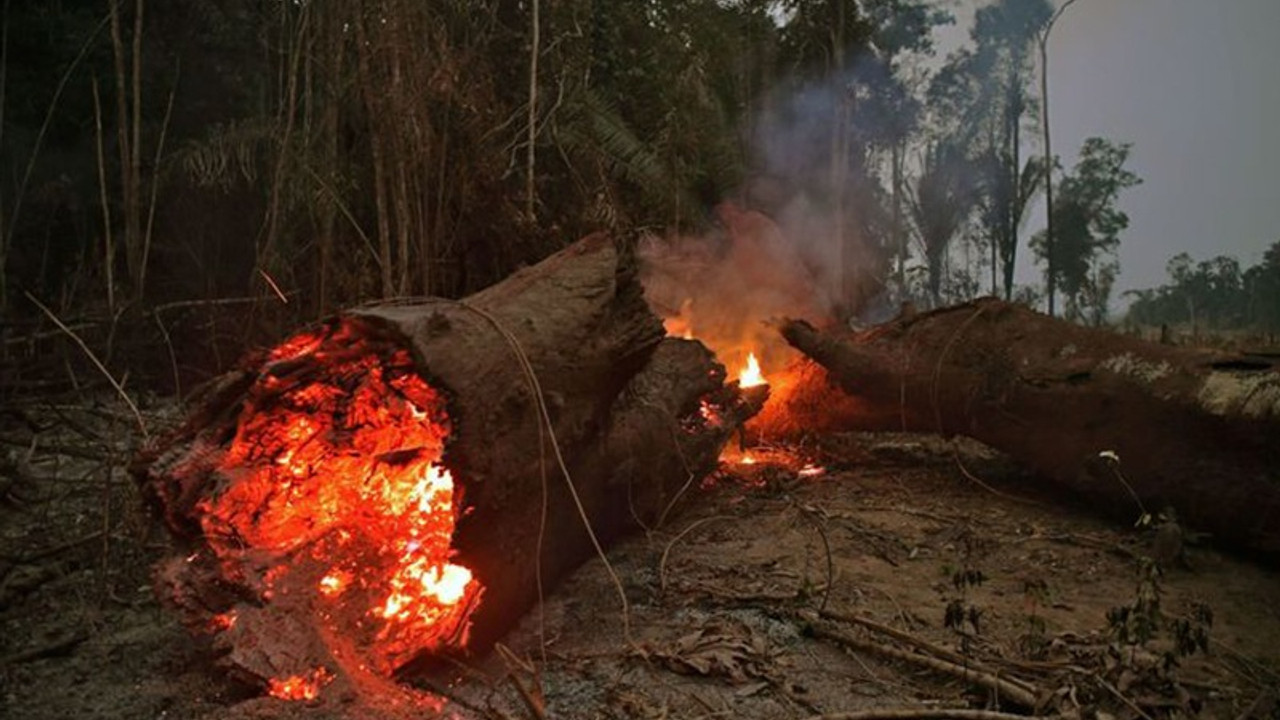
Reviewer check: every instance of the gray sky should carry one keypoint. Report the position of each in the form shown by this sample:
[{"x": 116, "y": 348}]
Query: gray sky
[{"x": 1193, "y": 84}]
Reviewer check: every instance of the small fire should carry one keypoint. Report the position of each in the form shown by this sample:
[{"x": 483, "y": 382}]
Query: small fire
[
  {"x": 299, "y": 687},
  {"x": 751, "y": 376}
]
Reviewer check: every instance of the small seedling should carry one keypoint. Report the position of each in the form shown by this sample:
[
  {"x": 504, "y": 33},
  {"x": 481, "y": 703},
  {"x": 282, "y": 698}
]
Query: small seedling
[
  {"x": 959, "y": 610},
  {"x": 1136, "y": 625},
  {"x": 1034, "y": 642}
]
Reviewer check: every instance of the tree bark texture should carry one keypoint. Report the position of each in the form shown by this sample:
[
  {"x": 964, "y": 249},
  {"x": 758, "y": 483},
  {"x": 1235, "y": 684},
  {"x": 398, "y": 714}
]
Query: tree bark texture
[
  {"x": 1194, "y": 430},
  {"x": 627, "y": 408}
]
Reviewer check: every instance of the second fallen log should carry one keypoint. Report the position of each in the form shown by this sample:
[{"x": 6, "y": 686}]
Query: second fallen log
[{"x": 1197, "y": 431}]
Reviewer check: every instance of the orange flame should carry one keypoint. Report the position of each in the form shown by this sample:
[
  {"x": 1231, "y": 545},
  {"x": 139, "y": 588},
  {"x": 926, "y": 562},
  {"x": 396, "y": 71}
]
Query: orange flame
[{"x": 751, "y": 375}]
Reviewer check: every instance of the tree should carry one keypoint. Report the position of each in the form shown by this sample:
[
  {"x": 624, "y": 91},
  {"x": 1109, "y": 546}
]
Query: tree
[
  {"x": 1213, "y": 294},
  {"x": 942, "y": 200},
  {"x": 1043, "y": 41},
  {"x": 846, "y": 116},
  {"x": 1003, "y": 34},
  {"x": 1088, "y": 226},
  {"x": 1262, "y": 285}
]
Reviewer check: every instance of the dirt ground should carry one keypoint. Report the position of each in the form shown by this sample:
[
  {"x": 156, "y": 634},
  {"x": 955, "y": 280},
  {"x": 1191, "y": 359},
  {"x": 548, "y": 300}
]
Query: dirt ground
[{"x": 914, "y": 574}]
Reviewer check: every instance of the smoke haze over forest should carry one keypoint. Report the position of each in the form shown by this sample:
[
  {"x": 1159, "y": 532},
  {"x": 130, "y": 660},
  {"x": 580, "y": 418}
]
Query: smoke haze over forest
[{"x": 1192, "y": 86}]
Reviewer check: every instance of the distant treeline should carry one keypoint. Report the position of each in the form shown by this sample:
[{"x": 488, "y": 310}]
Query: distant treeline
[{"x": 1214, "y": 294}]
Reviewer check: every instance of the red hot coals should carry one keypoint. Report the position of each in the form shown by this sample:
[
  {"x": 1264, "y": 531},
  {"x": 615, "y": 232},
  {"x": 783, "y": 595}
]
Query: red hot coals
[{"x": 332, "y": 511}]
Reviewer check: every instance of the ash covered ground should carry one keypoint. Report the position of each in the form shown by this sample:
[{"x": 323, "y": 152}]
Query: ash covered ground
[{"x": 768, "y": 595}]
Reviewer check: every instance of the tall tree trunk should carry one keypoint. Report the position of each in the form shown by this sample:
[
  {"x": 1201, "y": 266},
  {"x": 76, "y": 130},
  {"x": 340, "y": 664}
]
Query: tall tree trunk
[
  {"x": 326, "y": 207},
  {"x": 1012, "y": 211},
  {"x": 108, "y": 237},
  {"x": 899, "y": 237},
  {"x": 403, "y": 222},
  {"x": 4, "y": 84},
  {"x": 530, "y": 151},
  {"x": 268, "y": 245},
  {"x": 373, "y": 111},
  {"x": 138, "y": 249},
  {"x": 1050, "y": 280},
  {"x": 128, "y": 187},
  {"x": 840, "y": 164}
]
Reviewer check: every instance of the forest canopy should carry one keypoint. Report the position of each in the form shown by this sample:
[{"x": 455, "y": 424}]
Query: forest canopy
[{"x": 257, "y": 164}]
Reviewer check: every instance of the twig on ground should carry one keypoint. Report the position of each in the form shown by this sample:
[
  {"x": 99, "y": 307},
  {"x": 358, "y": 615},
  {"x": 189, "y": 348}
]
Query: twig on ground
[
  {"x": 920, "y": 714},
  {"x": 57, "y": 648},
  {"x": 1083, "y": 541},
  {"x": 1121, "y": 697},
  {"x": 1248, "y": 667},
  {"x": 1015, "y": 691},
  {"x": 662, "y": 563},
  {"x": 902, "y": 614},
  {"x": 818, "y": 517},
  {"x": 84, "y": 452},
  {"x": 909, "y": 639},
  {"x": 58, "y": 549},
  {"x": 955, "y": 454},
  {"x": 531, "y": 696}
]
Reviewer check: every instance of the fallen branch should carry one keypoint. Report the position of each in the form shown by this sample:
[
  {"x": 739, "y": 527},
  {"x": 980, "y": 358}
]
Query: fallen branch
[
  {"x": 1015, "y": 692},
  {"x": 532, "y": 696},
  {"x": 60, "y": 548},
  {"x": 920, "y": 714},
  {"x": 919, "y": 643},
  {"x": 57, "y": 648}
]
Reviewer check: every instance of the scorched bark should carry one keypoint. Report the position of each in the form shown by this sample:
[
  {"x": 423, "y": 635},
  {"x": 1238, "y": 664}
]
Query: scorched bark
[
  {"x": 1194, "y": 430},
  {"x": 635, "y": 416}
]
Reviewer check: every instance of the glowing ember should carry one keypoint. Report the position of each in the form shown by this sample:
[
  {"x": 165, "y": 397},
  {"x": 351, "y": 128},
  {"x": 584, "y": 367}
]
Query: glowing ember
[
  {"x": 709, "y": 414},
  {"x": 751, "y": 375},
  {"x": 299, "y": 687},
  {"x": 810, "y": 470},
  {"x": 224, "y": 621},
  {"x": 335, "y": 491},
  {"x": 334, "y": 583},
  {"x": 746, "y": 459}
]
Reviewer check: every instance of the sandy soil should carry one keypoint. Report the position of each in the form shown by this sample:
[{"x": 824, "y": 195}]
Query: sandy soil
[{"x": 770, "y": 595}]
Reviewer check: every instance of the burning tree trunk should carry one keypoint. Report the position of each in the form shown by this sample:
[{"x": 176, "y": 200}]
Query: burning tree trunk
[
  {"x": 1195, "y": 430},
  {"x": 389, "y": 485}
]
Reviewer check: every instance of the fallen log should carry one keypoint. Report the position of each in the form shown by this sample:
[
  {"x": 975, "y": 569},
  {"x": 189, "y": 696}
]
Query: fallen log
[
  {"x": 1197, "y": 431},
  {"x": 406, "y": 478}
]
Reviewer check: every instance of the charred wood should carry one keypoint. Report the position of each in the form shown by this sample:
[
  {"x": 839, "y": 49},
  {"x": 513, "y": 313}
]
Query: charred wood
[{"x": 1193, "y": 430}]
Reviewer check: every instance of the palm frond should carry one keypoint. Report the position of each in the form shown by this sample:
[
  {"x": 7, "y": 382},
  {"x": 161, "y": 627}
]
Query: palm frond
[{"x": 228, "y": 154}]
